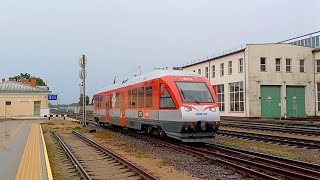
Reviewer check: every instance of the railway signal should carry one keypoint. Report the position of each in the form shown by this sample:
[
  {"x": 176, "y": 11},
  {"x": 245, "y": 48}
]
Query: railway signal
[{"x": 83, "y": 76}]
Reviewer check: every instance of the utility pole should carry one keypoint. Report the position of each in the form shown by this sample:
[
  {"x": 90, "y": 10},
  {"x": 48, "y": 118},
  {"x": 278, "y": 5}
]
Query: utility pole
[{"x": 83, "y": 75}]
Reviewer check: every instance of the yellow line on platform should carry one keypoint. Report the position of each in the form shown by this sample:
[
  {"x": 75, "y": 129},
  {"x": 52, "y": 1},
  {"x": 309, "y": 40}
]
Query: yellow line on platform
[
  {"x": 30, "y": 163},
  {"x": 12, "y": 135},
  {"x": 49, "y": 172}
]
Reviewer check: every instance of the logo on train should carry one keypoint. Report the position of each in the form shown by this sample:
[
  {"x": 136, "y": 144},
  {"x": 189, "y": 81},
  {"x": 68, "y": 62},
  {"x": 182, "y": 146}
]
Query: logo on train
[{"x": 140, "y": 113}]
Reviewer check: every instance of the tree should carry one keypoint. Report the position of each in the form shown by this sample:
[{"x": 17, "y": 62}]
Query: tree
[
  {"x": 81, "y": 99},
  {"x": 27, "y": 76}
]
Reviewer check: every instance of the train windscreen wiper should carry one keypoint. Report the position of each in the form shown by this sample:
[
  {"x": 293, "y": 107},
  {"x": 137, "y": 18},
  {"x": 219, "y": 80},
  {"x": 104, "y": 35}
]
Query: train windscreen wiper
[{"x": 184, "y": 94}]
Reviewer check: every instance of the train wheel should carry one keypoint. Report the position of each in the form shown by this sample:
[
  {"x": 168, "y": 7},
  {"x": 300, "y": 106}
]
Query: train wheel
[{"x": 162, "y": 133}]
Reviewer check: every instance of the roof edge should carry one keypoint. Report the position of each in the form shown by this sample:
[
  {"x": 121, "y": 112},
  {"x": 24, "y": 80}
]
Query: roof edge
[{"x": 217, "y": 57}]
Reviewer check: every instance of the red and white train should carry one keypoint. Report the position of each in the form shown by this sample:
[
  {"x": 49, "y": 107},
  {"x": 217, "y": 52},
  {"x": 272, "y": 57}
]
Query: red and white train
[{"x": 178, "y": 104}]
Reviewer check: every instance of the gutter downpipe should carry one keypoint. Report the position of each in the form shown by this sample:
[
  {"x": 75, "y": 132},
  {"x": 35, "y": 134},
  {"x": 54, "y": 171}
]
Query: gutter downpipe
[
  {"x": 315, "y": 85},
  {"x": 245, "y": 80}
]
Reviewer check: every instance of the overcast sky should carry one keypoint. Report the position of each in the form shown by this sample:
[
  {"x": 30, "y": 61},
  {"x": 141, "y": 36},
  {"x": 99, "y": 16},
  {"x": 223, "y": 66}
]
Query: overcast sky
[{"x": 46, "y": 38}]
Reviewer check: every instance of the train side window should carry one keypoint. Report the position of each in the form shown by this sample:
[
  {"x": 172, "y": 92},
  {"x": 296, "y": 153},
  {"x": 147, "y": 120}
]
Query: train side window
[
  {"x": 117, "y": 100},
  {"x": 121, "y": 100},
  {"x": 129, "y": 99},
  {"x": 134, "y": 98},
  {"x": 166, "y": 100},
  {"x": 149, "y": 96},
  {"x": 111, "y": 107},
  {"x": 106, "y": 103},
  {"x": 141, "y": 98}
]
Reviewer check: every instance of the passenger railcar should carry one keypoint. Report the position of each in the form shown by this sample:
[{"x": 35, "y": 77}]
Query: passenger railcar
[{"x": 179, "y": 104}]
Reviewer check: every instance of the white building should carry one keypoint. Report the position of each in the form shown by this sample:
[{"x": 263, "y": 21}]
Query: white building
[{"x": 266, "y": 80}]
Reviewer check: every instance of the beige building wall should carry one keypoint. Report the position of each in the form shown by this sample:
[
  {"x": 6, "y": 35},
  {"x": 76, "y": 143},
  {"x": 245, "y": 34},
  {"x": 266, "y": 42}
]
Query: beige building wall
[
  {"x": 256, "y": 78},
  {"x": 22, "y": 105}
]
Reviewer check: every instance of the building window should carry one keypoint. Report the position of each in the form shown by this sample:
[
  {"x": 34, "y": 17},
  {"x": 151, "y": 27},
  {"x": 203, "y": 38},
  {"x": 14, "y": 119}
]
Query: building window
[
  {"x": 236, "y": 97},
  {"x": 301, "y": 65},
  {"x": 199, "y": 71},
  {"x": 318, "y": 87},
  {"x": 240, "y": 65},
  {"x": 149, "y": 96},
  {"x": 230, "y": 67},
  {"x": 263, "y": 64},
  {"x": 222, "y": 69},
  {"x": 213, "y": 71},
  {"x": 318, "y": 65},
  {"x": 220, "y": 96},
  {"x": 278, "y": 64},
  {"x": 288, "y": 65},
  {"x": 141, "y": 98},
  {"x": 207, "y": 72}
]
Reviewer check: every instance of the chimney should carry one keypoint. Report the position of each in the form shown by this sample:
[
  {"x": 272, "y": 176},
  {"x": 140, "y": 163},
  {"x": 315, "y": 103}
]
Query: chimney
[
  {"x": 3, "y": 80},
  {"x": 33, "y": 82}
]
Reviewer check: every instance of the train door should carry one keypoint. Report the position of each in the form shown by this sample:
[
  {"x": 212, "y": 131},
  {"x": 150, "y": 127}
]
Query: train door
[
  {"x": 107, "y": 101},
  {"x": 122, "y": 108}
]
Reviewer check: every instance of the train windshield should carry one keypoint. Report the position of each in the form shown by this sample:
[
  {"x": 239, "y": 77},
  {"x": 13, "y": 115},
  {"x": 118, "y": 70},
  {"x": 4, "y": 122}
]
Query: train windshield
[{"x": 194, "y": 92}]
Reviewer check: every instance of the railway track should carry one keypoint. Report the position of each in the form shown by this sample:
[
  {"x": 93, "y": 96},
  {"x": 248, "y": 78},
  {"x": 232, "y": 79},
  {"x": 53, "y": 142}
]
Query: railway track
[
  {"x": 249, "y": 164},
  {"x": 298, "y": 167},
  {"x": 93, "y": 161},
  {"x": 287, "y": 123},
  {"x": 311, "y": 131},
  {"x": 303, "y": 143}
]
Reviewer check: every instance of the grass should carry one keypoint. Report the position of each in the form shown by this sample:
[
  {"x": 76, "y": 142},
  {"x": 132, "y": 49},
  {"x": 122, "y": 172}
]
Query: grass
[
  {"x": 49, "y": 123},
  {"x": 103, "y": 135}
]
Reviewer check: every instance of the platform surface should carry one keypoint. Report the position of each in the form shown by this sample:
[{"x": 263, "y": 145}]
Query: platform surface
[{"x": 21, "y": 151}]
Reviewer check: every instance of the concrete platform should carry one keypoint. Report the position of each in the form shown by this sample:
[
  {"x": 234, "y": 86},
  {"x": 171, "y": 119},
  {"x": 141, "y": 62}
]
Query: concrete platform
[{"x": 22, "y": 151}]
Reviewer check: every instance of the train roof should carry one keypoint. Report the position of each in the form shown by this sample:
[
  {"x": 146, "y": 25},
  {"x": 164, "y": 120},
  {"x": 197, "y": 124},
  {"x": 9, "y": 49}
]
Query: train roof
[{"x": 146, "y": 77}]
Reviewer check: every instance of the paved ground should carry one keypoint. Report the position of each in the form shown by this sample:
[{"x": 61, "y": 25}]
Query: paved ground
[{"x": 14, "y": 136}]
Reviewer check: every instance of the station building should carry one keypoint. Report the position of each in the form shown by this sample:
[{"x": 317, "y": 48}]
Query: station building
[
  {"x": 23, "y": 99},
  {"x": 273, "y": 80}
]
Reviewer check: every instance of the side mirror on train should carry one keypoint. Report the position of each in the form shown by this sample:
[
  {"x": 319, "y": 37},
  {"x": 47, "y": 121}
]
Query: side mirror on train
[{"x": 161, "y": 89}]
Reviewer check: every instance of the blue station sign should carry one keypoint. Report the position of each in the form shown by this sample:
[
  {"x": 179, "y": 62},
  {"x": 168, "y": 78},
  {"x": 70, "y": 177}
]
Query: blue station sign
[{"x": 52, "y": 97}]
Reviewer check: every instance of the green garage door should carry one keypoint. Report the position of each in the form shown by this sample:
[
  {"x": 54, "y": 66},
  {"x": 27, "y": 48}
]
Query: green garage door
[
  {"x": 270, "y": 101},
  {"x": 296, "y": 101}
]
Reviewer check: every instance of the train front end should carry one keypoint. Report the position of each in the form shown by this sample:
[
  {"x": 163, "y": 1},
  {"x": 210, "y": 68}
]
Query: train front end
[{"x": 197, "y": 117}]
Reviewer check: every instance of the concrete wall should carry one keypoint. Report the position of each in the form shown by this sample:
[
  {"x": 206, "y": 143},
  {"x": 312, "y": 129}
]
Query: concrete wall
[
  {"x": 22, "y": 105},
  {"x": 227, "y": 78},
  {"x": 256, "y": 78}
]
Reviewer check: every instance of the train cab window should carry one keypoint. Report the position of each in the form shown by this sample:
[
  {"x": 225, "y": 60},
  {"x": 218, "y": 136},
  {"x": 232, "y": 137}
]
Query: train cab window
[
  {"x": 134, "y": 98},
  {"x": 117, "y": 100},
  {"x": 149, "y": 96},
  {"x": 141, "y": 98},
  {"x": 166, "y": 100}
]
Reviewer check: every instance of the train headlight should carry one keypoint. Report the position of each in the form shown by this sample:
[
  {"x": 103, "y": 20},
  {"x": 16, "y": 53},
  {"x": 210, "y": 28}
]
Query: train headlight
[
  {"x": 212, "y": 109},
  {"x": 187, "y": 109}
]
